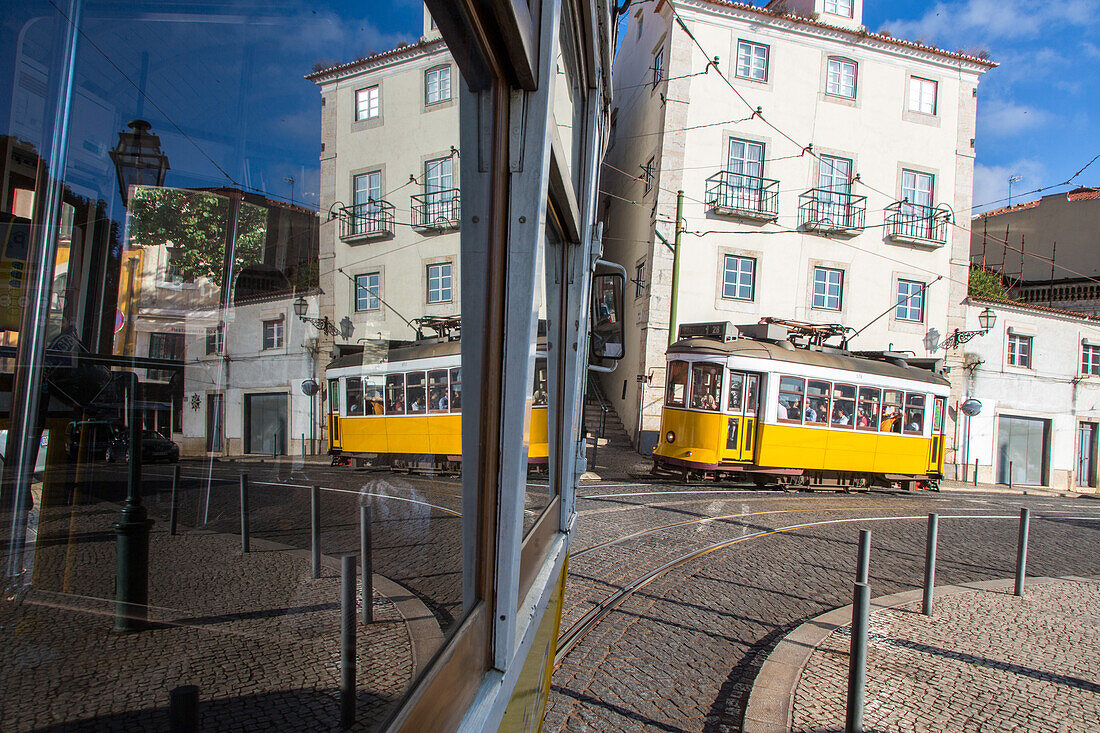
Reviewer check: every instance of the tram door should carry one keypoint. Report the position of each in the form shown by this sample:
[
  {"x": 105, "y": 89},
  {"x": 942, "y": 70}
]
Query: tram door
[
  {"x": 742, "y": 402},
  {"x": 935, "y": 456}
]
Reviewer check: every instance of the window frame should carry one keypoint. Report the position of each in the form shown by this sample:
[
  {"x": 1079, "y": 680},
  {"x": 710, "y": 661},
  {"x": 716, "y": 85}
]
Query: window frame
[
  {"x": 820, "y": 420},
  {"x": 673, "y": 373},
  {"x": 853, "y": 399},
  {"x": 371, "y": 295},
  {"x": 825, "y": 295},
  {"x": 908, "y": 299},
  {"x": 752, "y": 46},
  {"x": 801, "y": 399},
  {"x": 841, "y": 62},
  {"x": 449, "y": 288},
  {"x": 217, "y": 333},
  {"x": 1090, "y": 367},
  {"x": 873, "y": 421},
  {"x": 658, "y": 66},
  {"x": 428, "y": 101},
  {"x": 737, "y": 284},
  {"x": 835, "y": 4},
  {"x": 1015, "y": 354},
  {"x": 922, "y": 408},
  {"x": 278, "y": 333},
  {"x": 377, "y": 89},
  {"x": 649, "y": 173},
  {"x": 917, "y": 85}
]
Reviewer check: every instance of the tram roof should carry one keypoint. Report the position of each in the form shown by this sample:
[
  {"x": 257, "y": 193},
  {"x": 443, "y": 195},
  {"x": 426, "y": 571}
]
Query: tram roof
[
  {"x": 788, "y": 353},
  {"x": 397, "y": 352}
]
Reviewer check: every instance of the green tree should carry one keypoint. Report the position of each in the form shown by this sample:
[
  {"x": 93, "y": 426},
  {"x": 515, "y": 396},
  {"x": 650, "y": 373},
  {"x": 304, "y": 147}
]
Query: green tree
[
  {"x": 986, "y": 283},
  {"x": 194, "y": 224}
]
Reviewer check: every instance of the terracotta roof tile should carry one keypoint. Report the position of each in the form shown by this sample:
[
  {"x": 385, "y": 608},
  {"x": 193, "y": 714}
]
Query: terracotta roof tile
[
  {"x": 1083, "y": 194},
  {"x": 1035, "y": 307},
  {"x": 403, "y": 48}
]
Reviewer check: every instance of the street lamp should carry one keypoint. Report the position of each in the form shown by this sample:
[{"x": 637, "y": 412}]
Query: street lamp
[
  {"x": 138, "y": 159},
  {"x": 986, "y": 319},
  {"x": 322, "y": 324}
]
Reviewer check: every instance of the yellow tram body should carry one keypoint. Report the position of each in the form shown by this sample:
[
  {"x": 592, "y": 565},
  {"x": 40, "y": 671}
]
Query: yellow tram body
[
  {"x": 752, "y": 406},
  {"x": 382, "y": 431}
]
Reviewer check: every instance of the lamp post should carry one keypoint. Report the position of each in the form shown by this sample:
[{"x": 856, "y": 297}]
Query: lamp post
[
  {"x": 139, "y": 161},
  {"x": 322, "y": 324},
  {"x": 986, "y": 319}
]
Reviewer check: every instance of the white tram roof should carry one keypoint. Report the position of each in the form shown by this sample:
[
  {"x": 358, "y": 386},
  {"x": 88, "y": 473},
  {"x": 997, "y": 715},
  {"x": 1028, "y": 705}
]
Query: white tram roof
[
  {"x": 397, "y": 353},
  {"x": 786, "y": 352}
]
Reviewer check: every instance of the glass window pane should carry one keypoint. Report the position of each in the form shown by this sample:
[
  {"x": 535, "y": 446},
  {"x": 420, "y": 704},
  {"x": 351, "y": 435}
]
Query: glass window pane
[
  {"x": 676, "y": 387},
  {"x": 706, "y": 386},
  {"x": 817, "y": 402}
]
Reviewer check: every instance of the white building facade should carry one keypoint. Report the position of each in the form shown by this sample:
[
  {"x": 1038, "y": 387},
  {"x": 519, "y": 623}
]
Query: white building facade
[
  {"x": 390, "y": 187},
  {"x": 1036, "y": 374},
  {"x": 821, "y": 166}
]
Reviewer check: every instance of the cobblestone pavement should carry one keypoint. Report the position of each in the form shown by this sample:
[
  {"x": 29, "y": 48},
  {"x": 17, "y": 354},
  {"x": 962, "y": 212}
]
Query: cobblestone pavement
[
  {"x": 682, "y": 652},
  {"x": 985, "y": 661}
]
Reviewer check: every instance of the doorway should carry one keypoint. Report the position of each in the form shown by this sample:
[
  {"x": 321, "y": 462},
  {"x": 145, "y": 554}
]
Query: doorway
[
  {"x": 1087, "y": 434},
  {"x": 265, "y": 423},
  {"x": 1023, "y": 449}
]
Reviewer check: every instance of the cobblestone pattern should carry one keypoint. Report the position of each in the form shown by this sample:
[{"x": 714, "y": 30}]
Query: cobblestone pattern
[
  {"x": 985, "y": 661},
  {"x": 256, "y": 633},
  {"x": 682, "y": 653}
]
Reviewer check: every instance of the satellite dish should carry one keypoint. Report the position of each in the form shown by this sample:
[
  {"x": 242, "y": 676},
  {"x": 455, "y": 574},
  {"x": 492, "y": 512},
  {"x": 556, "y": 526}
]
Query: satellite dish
[
  {"x": 309, "y": 388},
  {"x": 971, "y": 407}
]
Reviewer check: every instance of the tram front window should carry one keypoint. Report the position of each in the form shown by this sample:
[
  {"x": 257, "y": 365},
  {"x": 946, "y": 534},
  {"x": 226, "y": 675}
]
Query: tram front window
[
  {"x": 676, "y": 389},
  {"x": 706, "y": 386}
]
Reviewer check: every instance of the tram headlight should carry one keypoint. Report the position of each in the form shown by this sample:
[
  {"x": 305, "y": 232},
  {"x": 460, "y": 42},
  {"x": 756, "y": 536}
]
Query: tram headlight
[{"x": 670, "y": 436}]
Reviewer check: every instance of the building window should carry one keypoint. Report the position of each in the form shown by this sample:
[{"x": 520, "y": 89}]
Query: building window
[
  {"x": 439, "y": 283},
  {"x": 839, "y": 7},
  {"x": 658, "y": 67},
  {"x": 828, "y": 288},
  {"x": 752, "y": 61},
  {"x": 165, "y": 346},
  {"x": 648, "y": 171},
  {"x": 172, "y": 271},
  {"x": 1019, "y": 351},
  {"x": 639, "y": 279},
  {"x": 910, "y": 301},
  {"x": 841, "y": 78},
  {"x": 215, "y": 339},
  {"x": 922, "y": 95},
  {"x": 437, "y": 84},
  {"x": 739, "y": 278},
  {"x": 367, "y": 288},
  {"x": 1090, "y": 359},
  {"x": 273, "y": 334},
  {"x": 366, "y": 103}
]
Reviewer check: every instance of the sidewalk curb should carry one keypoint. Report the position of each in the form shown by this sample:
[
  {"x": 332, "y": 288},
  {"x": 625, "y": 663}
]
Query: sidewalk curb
[{"x": 771, "y": 700}]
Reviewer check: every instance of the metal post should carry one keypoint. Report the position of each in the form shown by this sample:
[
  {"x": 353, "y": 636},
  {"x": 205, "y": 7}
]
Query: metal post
[
  {"x": 857, "y": 657},
  {"x": 244, "y": 512},
  {"x": 303, "y": 441},
  {"x": 1010, "y": 475},
  {"x": 315, "y": 528},
  {"x": 367, "y": 562},
  {"x": 975, "y": 471},
  {"x": 864, "y": 564},
  {"x": 676, "y": 267},
  {"x": 275, "y": 445},
  {"x": 1021, "y": 550},
  {"x": 132, "y": 534},
  {"x": 930, "y": 562},
  {"x": 175, "y": 508},
  {"x": 183, "y": 709},
  {"x": 347, "y": 641}
]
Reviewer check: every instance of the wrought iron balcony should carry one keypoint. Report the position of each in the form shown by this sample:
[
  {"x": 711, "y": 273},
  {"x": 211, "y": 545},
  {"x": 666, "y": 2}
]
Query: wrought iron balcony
[
  {"x": 746, "y": 197},
  {"x": 370, "y": 220},
  {"x": 828, "y": 211},
  {"x": 437, "y": 211},
  {"x": 916, "y": 224}
]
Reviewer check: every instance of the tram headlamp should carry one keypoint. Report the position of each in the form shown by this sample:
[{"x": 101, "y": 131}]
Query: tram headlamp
[{"x": 670, "y": 436}]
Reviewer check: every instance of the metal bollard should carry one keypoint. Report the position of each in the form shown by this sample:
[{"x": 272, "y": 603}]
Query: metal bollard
[
  {"x": 367, "y": 563},
  {"x": 315, "y": 528},
  {"x": 863, "y": 565},
  {"x": 930, "y": 562},
  {"x": 975, "y": 471},
  {"x": 1010, "y": 475},
  {"x": 174, "y": 509},
  {"x": 347, "y": 641},
  {"x": 857, "y": 658},
  {"x": 1021, "y": 550},
  {"x": 244, "y": 512},
  {"x": 183, "y": 709},
  {"x": 303, "y": 444}
]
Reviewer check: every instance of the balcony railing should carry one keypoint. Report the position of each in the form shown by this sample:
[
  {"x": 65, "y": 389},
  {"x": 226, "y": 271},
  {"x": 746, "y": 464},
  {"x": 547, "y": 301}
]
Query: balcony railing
[
  {"x": 917, "y": 224},
  {"x": 748, "y": 197},
  {"x": 437, "y": 211},
  {"x": 372, "y": 219},
  {"x": 826, "y": 210}
]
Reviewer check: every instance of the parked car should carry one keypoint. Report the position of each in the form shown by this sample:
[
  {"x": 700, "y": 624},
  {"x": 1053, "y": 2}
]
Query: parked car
[
  {"x": 95, "y": 435},
  {"x": 154, "y": 446}
]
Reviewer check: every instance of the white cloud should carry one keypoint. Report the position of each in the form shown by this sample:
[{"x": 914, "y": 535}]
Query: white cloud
[
  {"x": 1091, "y": 50},
  {"x": 1000, "y": 118},
  {"x": 991, "y": 183},
  {"x": 964, "y": 23}
]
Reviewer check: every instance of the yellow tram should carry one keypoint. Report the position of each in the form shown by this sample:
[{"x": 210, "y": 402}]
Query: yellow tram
[
  {"x": 403, "y": 408},
  {"x": 774, "y": 412}
]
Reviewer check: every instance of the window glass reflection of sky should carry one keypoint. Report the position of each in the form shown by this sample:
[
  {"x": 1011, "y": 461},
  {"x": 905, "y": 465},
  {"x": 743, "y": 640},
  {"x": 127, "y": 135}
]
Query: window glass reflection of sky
[{"x": 221, "y": 83}]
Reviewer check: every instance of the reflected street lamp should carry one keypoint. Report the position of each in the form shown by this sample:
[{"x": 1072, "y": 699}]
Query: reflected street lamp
[
  {"x": 986, "y": 319},
  {"x": 322, "y": 324},
  {"x": 138, "y": 159}
]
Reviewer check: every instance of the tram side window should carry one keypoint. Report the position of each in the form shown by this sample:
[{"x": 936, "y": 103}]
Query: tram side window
[
  {"x": 706, "y": 386},
  {"x": 395, "y": 394},
  {"x": 538, "y": 394},
  {"x": 676, "y": 389},
  {"x": 750, "y": 396},
  {"x": 414, "y": 393},
  {"x": 891, "y": 411},
  {"x": 790, "y": 399},
  {"x": 937, "y": 414},
  {"x": 437, "y": 391},
  {"x": 817, "y": 402},
  {"x": 354, "y": 399},
  {"x": 914, "y": 414},
  {"x": 867, "y": 412},
  {"x": 456, "y": 389},
  {"x": 844, "y": 405},
  {"x": 736, "y": 391},
  {"x": 372, "y": 394},
  {"x": 334, "y": 396}
]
